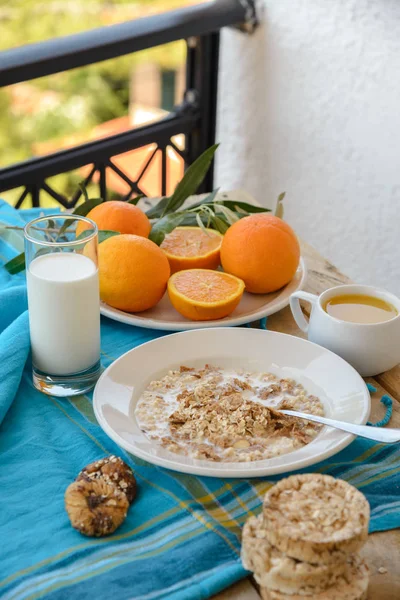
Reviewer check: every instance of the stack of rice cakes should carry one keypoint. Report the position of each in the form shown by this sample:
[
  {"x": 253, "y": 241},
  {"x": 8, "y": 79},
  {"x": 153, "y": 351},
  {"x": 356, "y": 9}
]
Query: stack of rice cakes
[{"x": 305, "y": 543}]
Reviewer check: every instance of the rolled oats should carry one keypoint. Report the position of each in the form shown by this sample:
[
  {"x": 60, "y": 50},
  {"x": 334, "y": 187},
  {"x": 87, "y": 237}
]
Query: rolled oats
[{"x": 226, "y": 415}]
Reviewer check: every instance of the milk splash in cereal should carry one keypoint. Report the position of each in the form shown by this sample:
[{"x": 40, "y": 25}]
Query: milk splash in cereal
[{"x": 226, "y": 415}]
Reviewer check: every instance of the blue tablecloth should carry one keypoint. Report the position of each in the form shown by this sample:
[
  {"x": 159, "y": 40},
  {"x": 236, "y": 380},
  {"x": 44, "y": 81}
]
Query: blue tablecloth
[{"x": 181, "y": 539}]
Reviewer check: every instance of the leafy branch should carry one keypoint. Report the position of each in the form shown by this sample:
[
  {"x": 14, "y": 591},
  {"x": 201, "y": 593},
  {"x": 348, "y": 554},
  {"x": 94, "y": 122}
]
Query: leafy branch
[
  {"x": 17, "y": 264},
  {"x": 189, "y": 184},
  {"x": 167, "y": 213}
]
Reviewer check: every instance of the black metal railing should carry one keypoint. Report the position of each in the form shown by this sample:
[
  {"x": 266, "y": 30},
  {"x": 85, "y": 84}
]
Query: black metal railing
[{"x": 195, "y": 117}]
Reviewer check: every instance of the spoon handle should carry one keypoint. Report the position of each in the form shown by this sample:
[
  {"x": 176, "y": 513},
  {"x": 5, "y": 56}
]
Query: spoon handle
[{"x": 386, "y": 435}]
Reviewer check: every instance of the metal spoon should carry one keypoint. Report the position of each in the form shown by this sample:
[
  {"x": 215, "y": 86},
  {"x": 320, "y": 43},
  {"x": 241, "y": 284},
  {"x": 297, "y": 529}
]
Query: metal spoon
[{"x": 384, "y": 434}]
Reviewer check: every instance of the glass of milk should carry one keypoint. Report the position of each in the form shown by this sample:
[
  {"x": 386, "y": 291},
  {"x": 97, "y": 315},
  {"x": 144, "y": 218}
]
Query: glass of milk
[{"x": 63, "y": 303}]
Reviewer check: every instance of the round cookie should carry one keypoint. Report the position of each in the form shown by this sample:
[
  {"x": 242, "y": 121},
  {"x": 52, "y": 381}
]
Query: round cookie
[
  {"x": 316, "y": 518},
  {"x": 114, "y": 471},
  {"x": 352, "y": 587},
  {"x": 95, "y": 508},
  {"x": 275, "y": 570}
]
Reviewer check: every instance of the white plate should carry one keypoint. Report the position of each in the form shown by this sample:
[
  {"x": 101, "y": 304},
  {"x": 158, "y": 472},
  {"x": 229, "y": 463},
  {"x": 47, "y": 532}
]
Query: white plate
[
  {"x": 340, "y": 388},
  {"x": 251, "y": 307}
]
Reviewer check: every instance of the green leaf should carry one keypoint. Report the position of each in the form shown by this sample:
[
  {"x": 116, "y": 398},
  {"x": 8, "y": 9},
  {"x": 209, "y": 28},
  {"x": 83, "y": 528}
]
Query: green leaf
[
  {"x": 104, "y": 234},
  {"x": 16, "y": 264},
  {"x": 83, "y": 189},
  {"x": 82, "y": 236},
  {"x": 243, "y": 206},
  {"x": 281, "y": 196},
  {"x": 51, "y": 236},
  {"x": 191, "y": 180},
  {"x": 136, "y": 200},
  {"x": 279, "y": 206},
  {"x": 156, "y": 211},
  {"x": 83, "y": 209},
  {"x": 212, "y": 222},
  {"x": 165, "y": 225},
  {"x": 240, "y": 207},
  {"x": 188, "y": 185},
  {"x": 230, "y": 216},
  {"x": 13, "y": 236},
  {"x": 199, "y": 221},
  {"x": 209, "y": 199},
  {"x": 220, "y": 224},
  {"x": 188, "y": 220}
]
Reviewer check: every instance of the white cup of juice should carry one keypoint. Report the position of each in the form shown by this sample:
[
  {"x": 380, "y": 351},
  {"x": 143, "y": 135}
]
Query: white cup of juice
[{"x": 360, "y": 323}]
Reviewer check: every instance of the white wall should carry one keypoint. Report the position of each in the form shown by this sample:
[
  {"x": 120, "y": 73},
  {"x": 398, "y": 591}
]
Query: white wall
[{"x": 310, "y": 105}]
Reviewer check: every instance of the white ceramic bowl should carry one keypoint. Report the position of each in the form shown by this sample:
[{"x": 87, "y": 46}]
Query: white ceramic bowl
[{"x": 340, "y": 388}]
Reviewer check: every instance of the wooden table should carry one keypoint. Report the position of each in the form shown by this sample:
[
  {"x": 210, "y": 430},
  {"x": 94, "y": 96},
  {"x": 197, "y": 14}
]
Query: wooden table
[{"x": 382, "y": 549}]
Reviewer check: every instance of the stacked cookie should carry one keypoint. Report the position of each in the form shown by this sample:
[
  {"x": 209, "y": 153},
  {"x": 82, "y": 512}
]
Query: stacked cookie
[{"x": 306, "y": 540}]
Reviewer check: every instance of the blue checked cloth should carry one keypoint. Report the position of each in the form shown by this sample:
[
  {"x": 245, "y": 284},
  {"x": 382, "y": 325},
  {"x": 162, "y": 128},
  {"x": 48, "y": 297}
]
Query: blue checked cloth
[{"x": 181, "y": 539}]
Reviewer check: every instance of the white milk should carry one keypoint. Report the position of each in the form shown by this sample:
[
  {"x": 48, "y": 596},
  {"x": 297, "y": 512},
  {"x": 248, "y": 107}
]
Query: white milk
[{"x": 64, "y": 313}]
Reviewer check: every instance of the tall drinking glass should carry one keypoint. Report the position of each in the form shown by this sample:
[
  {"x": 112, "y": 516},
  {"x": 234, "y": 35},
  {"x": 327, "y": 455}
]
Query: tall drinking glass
[{"x": 63, "y": 302}]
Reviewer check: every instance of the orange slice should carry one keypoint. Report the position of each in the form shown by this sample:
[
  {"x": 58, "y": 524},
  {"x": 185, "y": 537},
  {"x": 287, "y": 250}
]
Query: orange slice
[
  {"x": 204, "y": 295},
  {"x": 192, "y": 248}
]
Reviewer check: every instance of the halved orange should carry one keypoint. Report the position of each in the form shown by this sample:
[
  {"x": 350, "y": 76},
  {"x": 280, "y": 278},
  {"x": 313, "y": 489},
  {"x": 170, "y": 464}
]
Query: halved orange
[
  {"x": 192, "y": 248},
  {"x": 203, "y": 294}
]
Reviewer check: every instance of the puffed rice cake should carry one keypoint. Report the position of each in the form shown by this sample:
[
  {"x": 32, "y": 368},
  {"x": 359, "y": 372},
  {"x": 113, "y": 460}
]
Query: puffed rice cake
[
  {"x": 352, "y": 587},
  {"x": 316, "y": 518},
  {"x": 274, "y": 570}
]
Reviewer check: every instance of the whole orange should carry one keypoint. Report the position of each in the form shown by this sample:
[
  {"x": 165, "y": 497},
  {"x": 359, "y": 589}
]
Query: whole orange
[
  {"x": 133, "y": 272},
  {"x": 263, "y": 251},
  {"x": 116, "y": 215}
]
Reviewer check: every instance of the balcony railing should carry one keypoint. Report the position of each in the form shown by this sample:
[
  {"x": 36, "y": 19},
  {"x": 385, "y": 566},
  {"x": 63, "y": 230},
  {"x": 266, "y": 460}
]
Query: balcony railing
[{"x": 194, "y": 118}]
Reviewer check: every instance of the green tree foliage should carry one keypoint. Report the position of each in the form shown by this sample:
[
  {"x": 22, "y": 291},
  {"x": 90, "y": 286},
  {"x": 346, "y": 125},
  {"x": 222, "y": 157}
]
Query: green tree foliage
[{"x": 81, "y": 98}]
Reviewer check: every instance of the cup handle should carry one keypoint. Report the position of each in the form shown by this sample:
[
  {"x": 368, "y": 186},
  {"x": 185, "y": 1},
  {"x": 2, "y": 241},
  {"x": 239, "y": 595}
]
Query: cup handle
[{"x": 296, "y": 308}]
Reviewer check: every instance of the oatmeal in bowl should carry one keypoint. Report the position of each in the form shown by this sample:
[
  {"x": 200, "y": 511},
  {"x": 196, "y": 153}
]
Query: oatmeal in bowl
[{"x": 226, "y": 415}]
